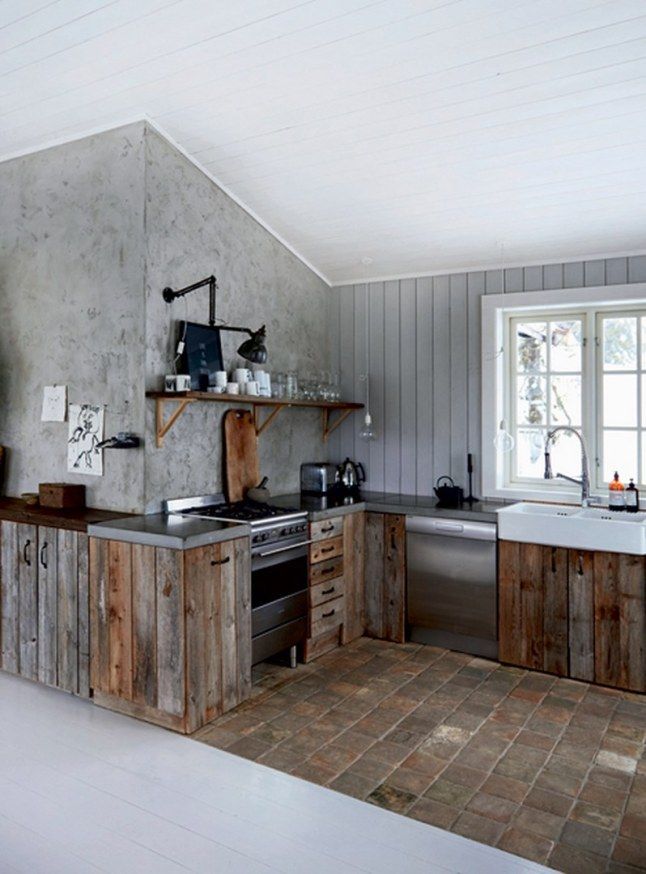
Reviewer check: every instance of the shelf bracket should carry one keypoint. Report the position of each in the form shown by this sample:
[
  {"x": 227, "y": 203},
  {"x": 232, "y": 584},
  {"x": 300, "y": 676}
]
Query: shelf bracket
[
  {"x": 163, "y": 427},
  {"x": 329, "y": 427},
  {"x": 260, "y": 426}
]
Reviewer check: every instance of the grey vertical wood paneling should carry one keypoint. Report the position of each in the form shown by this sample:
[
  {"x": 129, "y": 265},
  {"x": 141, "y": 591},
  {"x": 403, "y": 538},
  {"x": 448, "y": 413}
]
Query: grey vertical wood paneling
[
  {"x": 553, "y": 276},
  {"x": 392, "y": 395},
  {"x": 494, "y": 282},
  {"x": 616, "y": 271},
  {"x": 334, "y": 313},
  {"x": 637, "y": 268},
  {"x": 458, "y": 390},
  {"x": 594, "y": 273},
  {"x": 360, "y": 449},
  {"x": 513, "y": 280},
  {"x": 573, "y": 275},
  {"x": 532, "y": 278},
  {"x": 424, "y": 385},
  {"x": 408, "y": 386},
  {"x": 441, "y": 378},
  {"x": 425, "y": 365},
  {"x": 375, "y": 469},
  {"x": 475, "y": 290}
]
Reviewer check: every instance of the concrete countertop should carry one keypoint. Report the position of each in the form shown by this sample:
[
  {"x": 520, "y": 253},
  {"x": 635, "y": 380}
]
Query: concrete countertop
[
  {"x": 172, "y": 532},
  {"x": 386, "y": 502}
]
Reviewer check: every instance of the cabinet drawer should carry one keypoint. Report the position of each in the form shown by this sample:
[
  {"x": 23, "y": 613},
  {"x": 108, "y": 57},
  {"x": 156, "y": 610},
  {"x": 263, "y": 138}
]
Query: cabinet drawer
[
  {"x": 326, "y": 528},
  {"x": 328, "y": 590},
  {"x": 326, "y": 570},
  {"x": 326, "y": 616},
  {"x": 318, "y": 646},
  {"x": 326, "y": 549}
]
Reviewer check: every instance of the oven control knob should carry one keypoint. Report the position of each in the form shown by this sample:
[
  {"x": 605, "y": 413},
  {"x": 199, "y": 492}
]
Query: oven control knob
[
  {"x": 284, "y": 532},
  {"x": 264, "y": 536},
  {"x": 255, "y": 538}
]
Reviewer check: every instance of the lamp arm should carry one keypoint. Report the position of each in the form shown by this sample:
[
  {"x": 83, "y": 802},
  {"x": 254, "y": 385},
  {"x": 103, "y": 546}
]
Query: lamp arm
[{"x": 170, "y": 295}]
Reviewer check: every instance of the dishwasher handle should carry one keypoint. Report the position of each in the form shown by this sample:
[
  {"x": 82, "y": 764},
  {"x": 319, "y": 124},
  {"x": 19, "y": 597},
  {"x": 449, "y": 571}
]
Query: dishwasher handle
[{"x": 447, "y": 527}]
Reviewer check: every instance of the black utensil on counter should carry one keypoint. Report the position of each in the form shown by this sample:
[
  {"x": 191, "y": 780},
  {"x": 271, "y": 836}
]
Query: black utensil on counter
[{"x": 470, "y": 499}]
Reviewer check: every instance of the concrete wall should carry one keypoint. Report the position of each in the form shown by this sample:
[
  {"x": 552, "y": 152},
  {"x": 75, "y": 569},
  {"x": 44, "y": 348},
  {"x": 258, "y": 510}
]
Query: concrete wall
[
  {"x": 193, "y": 229},
  {"x": 72, "y": 306},
  {"x": 424, "y": 341}
]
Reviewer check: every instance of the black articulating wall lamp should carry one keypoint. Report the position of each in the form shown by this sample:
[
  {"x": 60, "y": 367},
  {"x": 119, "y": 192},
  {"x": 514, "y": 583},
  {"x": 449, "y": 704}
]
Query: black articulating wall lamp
[{"x": 253, "y": 349}]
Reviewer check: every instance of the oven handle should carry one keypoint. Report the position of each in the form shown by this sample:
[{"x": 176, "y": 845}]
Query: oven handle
[{"x": 284, "y": 548}]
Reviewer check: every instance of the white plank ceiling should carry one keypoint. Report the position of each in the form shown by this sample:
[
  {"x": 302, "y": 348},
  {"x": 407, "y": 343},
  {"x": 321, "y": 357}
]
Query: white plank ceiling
[{"x": 423, "y": 134}]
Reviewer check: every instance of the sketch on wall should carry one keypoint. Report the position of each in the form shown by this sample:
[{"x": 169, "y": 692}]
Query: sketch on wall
[{"x": 85, "y": 434}]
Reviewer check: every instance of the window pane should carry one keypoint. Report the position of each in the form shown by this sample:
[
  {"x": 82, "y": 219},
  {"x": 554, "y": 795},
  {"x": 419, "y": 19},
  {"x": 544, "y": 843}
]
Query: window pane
[
  {"x": 566, "y": 400},
  {"x": 532, "y": 346},
  {"x": 530, "y": 448},
  {"x": 566, "y": 454},
  {"x": 566, "y": 346},
  {"x": 620, "y": 400},
  {"x": 620, "y": 453},
  {"x": 532, "y": 400},
  {"x": 620, "y": 343}
]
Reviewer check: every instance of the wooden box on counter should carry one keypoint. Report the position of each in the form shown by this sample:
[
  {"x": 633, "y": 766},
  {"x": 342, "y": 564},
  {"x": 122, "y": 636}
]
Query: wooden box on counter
[{"x": 62, "y": 496}]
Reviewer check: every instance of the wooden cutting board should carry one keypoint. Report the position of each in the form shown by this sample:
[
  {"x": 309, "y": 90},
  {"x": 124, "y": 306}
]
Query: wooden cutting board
[{"x": 242, "y": 469}]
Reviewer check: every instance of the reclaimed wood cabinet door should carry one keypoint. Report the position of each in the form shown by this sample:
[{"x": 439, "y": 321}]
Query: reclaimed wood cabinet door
[
  {"x": 385, "y": 576},
  {"x": 19, "y": 598},
  {"x": 532, "y": 606},
  {"x": 354, "y": 551},
  {"x": 44, "y": 602},
  {"x": 620, "y": 620},
  {"x": 170, "y": 630}
]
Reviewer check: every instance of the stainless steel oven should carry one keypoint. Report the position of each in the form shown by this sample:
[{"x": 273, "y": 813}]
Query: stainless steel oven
[{"x": 278, "y": 598}]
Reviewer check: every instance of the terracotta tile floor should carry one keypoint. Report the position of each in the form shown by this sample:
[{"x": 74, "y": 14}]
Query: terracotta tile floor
[{"x": 550, "y": 769}]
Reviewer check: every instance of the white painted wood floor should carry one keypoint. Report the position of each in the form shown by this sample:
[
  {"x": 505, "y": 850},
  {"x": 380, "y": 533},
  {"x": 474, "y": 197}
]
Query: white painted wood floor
[{"x": 83, "y": 789}]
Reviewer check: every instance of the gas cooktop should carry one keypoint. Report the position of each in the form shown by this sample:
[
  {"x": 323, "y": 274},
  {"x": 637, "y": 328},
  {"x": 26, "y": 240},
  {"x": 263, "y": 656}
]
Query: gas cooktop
[{"x": 268, "y": 522}]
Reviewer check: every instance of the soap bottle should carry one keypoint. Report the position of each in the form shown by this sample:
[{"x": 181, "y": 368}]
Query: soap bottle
[
  {"x": 616, "y": 494},
  {"x": 632, "y": 498}
]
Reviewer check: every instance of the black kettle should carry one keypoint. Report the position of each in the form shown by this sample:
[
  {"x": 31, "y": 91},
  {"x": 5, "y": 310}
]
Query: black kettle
[
  {"x": 448, "y": 495},
  {"x": 350, "y": 475}
]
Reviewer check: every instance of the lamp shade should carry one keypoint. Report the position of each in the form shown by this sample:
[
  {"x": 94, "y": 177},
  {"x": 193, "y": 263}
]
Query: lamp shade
[{"x": 254, "y": 348}]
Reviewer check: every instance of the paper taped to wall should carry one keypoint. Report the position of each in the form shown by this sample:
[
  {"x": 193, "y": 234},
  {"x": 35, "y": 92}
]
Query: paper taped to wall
[
  {"x": 54, "y": 403},
  {"x": 85, "y": 433}
]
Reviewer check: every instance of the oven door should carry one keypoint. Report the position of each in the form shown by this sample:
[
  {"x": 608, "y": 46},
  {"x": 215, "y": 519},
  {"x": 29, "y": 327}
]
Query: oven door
[{"x": 278, "y": 587}]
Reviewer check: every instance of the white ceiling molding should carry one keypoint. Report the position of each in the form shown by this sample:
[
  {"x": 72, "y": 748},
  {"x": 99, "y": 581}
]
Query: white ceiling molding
[{"x": 484, "y": 268}]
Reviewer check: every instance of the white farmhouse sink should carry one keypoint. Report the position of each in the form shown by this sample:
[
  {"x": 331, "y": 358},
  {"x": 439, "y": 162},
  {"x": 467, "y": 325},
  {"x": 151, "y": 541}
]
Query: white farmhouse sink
[{"x": 574, "y": 527}]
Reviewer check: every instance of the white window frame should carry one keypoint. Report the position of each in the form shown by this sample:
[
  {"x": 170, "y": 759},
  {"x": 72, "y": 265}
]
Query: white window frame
[{"x": 496, "y": 350}]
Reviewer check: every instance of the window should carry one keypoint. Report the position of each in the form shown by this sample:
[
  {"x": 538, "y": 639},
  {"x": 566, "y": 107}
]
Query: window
[
  {"x": 552, "y": 381},
  {"x": 621, "y": 357},
  {"x": 568, "y": 357},
  {"x": 545, "y": 391}
]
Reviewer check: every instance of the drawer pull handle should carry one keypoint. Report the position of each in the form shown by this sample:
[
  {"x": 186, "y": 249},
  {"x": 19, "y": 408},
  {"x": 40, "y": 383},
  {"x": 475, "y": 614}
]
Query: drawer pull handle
[
  {"x": 221, "y": 561},
  {"x": 328, "y": 591},
  {"x": 25, "y": 553},
  {"x": 327, "y": 615},
  {"x": 43, "y": 555},
  {"x": 328, "y": 570},
  {"x": 327, "y": 549},
  {"x": 327, "y": 529}
]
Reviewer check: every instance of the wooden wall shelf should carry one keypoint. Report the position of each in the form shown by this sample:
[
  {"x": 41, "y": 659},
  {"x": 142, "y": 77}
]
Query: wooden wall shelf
[{"x": 272, "y": 405}]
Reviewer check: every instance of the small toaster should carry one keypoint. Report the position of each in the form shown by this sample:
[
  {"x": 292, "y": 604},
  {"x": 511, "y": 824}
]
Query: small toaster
[{"x": 317, "y": 478}]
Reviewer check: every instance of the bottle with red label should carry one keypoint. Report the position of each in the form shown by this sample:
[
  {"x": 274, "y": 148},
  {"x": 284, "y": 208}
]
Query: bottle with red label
[{"x": 616, "y": 494}]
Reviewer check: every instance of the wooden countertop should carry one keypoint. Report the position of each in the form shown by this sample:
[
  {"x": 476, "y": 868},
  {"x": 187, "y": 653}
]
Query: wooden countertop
[{"x": 16, "y": 510}]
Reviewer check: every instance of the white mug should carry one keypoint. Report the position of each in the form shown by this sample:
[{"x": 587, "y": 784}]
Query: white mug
[
  {"x": 217, "y": 389},
  {"x": 251, "y": 388},
  {"x": 242, "y": 375},
  {"x": 182, "y": 382},
  {"x": 233, "y": 388},
  {"x": 169, "y": 382},
  {"x": 221, "y": 378}
]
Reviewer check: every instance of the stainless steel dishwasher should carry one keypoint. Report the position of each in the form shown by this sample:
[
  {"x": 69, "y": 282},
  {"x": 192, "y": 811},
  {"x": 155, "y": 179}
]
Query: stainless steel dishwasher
[{"x": 452, "y": 588}]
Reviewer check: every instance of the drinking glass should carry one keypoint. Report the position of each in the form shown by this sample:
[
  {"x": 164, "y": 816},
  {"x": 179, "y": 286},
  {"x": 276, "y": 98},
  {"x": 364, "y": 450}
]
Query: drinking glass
[{"x": 279, "y": 386}]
